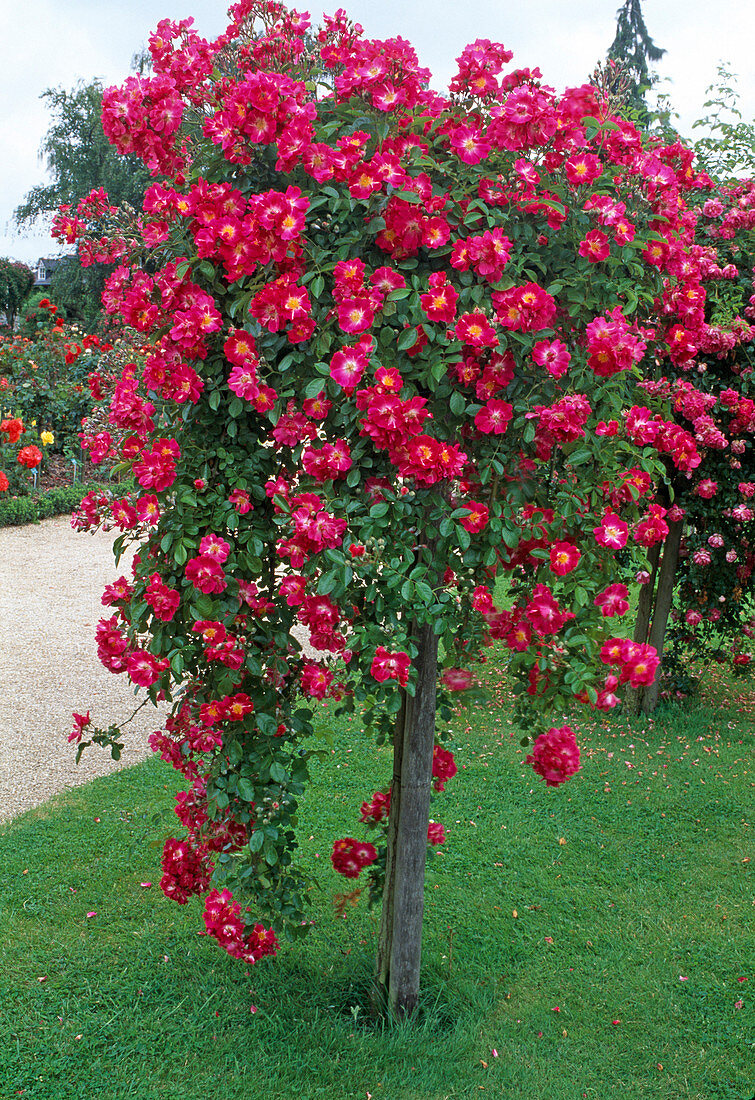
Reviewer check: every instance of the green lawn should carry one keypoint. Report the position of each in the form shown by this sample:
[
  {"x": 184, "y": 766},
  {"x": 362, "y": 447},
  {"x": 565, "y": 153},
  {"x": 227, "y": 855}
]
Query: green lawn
[{"x": 624, "y": 896}]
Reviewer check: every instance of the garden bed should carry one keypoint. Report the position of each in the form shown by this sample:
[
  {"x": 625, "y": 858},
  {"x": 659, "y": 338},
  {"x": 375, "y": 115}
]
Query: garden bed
[
  {"x": 56, "y": 493},
  {"x": 59, "y": 471}
]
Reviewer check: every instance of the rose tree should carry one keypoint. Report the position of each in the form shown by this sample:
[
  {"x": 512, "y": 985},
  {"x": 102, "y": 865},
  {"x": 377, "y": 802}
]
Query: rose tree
[
  {"x": 392, "y": 336},
  {"x": 702, "y": 574}
]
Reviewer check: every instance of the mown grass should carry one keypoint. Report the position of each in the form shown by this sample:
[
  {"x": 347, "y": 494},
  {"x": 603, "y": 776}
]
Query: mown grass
[{"x": 625, "y": 896}]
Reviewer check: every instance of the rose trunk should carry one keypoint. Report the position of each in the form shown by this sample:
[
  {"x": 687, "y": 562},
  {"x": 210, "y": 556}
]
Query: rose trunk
[{"x": 400, "y": 941}]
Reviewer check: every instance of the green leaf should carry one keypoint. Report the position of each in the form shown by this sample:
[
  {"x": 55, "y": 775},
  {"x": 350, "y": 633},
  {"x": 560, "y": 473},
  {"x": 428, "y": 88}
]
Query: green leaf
[
  {"x": 631, "y": 303},
  {"x": 256, "y": 840},
  {"x": 245, "y": 789},
  {"x": 327, "y": 583},
  {"x": 425, "y": 592},
  {"x": 205, "y": 269},
  {"x": 552, "y": 204},
  {"x": 409, "y": 196},
  {"x": 313, "y": 388},
  {"x": 205, "y": 607},
  {"x": 457, "y": 403},
  {"x": 278, "y": 773},
  {"x": 407, "y": 338}
]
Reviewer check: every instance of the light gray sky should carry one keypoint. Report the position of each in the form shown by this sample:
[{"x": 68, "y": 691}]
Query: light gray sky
[{"x": 54, "y": 43}]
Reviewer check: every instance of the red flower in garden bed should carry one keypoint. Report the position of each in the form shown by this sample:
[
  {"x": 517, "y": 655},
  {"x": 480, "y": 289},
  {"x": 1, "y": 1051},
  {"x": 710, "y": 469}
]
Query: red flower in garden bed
[
  {"x": 30, "y": 456},
  {"x": 13, "y": 427}
]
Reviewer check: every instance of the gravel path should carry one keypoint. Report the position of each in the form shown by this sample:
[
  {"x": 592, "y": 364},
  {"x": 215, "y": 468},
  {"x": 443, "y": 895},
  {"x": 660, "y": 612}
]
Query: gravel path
[{"x": 51, "y": 580}]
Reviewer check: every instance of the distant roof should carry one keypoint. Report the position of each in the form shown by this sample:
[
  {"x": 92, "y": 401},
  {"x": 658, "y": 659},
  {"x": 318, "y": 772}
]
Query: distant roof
[{"x": 45, "y": 268}]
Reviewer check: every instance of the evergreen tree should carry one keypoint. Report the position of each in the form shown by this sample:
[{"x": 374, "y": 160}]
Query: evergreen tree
[{"x": 633, "y": 49}]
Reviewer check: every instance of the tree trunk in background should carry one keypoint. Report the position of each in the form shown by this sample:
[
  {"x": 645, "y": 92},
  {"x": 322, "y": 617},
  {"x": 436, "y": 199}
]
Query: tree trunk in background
[
  {"x": 643, "y": 621},
  {"x": 400, "y": 939},
  {"x": 663, "y": 599}
]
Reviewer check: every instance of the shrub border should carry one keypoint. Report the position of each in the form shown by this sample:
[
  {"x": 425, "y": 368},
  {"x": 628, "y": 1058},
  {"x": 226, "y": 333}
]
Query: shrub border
[{"x": 16, "y": 511}]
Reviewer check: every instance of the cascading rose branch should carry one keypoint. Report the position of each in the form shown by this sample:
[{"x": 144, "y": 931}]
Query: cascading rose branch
[{"x": 389, "y": 362}]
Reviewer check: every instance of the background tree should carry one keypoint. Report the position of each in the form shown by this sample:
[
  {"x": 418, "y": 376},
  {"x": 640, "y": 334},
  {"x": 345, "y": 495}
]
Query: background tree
[
  {"x": 697, "y": 599},
  {"x": 80, "y": 159},
  {"x": 696, "y": 605},
  {"x": 633, "y": 48},
  {"x": 16, "y": 281},
  {"x": 728, "y": 149}
]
